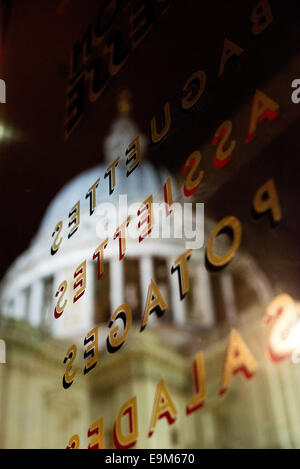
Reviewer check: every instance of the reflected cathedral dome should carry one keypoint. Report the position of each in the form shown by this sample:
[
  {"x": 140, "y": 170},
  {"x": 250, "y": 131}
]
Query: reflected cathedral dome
[{"x": 30, "y": 285}]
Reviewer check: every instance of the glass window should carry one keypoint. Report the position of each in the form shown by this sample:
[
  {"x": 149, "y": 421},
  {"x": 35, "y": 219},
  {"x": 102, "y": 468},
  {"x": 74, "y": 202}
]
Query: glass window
[{"x": 162, "y": 278}]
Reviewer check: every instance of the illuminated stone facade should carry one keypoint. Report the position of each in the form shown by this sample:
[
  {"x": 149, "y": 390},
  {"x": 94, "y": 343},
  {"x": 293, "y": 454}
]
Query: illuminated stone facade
[{"x": 35, "y": 409}]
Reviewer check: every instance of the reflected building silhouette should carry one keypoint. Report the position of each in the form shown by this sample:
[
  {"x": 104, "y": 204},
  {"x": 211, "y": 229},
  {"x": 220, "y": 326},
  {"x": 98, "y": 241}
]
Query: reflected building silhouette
[{"x": 254, "y": 414}]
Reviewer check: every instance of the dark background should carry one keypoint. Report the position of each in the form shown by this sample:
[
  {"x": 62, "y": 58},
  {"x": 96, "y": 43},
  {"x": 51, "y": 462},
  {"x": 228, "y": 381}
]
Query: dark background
[{"x": 36, "y": 42}]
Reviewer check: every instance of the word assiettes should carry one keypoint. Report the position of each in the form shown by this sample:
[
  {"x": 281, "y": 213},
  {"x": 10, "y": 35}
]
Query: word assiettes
[{"x": 238, "y": 359}]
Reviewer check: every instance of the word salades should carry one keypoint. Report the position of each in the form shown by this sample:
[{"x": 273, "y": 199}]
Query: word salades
[{"x": 284, "y": 315}]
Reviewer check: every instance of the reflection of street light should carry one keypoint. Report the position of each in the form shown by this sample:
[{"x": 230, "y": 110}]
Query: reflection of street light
[{"x": 5, "y": 133}]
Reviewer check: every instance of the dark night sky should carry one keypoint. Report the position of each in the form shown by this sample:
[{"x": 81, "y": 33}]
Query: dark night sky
[{"x": 36, "y": 162}]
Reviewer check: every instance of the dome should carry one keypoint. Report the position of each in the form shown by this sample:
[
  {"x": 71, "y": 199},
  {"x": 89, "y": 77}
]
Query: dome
[
  {"x": 144, "y": 181},
  {"x": 138, "y": 186}
]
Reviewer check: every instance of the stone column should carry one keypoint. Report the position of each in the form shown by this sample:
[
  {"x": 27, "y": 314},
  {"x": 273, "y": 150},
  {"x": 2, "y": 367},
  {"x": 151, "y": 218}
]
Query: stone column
[
  {"x": 147, "y": 274},
  {"x": 88, "y": 316},
  {"x": 280, "y": 425},
  {"x": 291, "y": 401},
  {"x": 177, "y": 307},
  {"x": 36, "y": 303},
  {"x": 19, "y": 305},
  {"x": 116, "y": 268},
  {"x": 226, "y": 283},
  {"x": 205, "y": 297}
]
